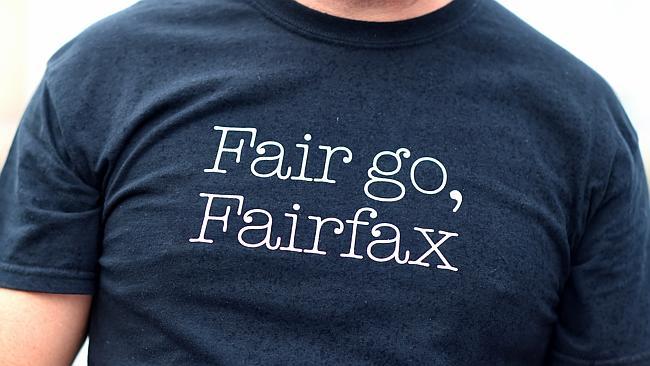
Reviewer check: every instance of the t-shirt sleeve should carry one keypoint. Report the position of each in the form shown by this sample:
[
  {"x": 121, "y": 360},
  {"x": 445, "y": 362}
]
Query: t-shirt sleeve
[
  {"x": 604, "y": 313},
  {"x": 49, "y": 215}
]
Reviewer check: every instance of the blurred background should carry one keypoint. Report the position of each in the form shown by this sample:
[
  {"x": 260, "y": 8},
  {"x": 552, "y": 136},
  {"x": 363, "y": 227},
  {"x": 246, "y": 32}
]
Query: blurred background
[{"x": 613, "y": 37}]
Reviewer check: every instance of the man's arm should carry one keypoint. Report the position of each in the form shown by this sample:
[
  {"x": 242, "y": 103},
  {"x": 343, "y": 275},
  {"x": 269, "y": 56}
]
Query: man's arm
[{"x": 40, "y": 328}]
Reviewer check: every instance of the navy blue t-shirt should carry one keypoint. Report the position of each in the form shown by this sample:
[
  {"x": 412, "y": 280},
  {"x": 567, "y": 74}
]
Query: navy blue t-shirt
[{"x": 256, "y": 182}]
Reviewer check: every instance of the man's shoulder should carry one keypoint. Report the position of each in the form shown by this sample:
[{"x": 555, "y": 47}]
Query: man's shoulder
[
  {"x": 136, "y": 52},
  {"x": 535, "y": 70},
  {"x": 135, "y": 32},
  {"x": 533, "y": 56},
  {"x": 538, "y": 73}
]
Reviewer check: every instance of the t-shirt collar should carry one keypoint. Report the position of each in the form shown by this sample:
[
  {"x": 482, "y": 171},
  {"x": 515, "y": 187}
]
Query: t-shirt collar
[{"x": 322, "y": 26}]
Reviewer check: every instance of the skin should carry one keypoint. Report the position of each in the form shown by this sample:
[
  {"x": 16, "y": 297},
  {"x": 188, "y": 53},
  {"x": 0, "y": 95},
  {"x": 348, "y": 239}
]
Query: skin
[
  {"x": 41, "y": 329},
  {"x": 375, "y": 10},
  {"x": 48, "y": 329}
]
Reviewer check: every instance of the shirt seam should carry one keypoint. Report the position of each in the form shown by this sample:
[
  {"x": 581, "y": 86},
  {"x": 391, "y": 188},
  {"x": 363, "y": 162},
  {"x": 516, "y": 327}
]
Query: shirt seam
[
  {"x": 57, "y": 123},
  {"x": 295, "y": 28},
  {"x": 46, "y": 271},
  {"x": 620, "y": 361}
]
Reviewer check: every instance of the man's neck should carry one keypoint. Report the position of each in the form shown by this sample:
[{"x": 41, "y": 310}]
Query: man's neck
[{"x": 375, "y": 10}]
